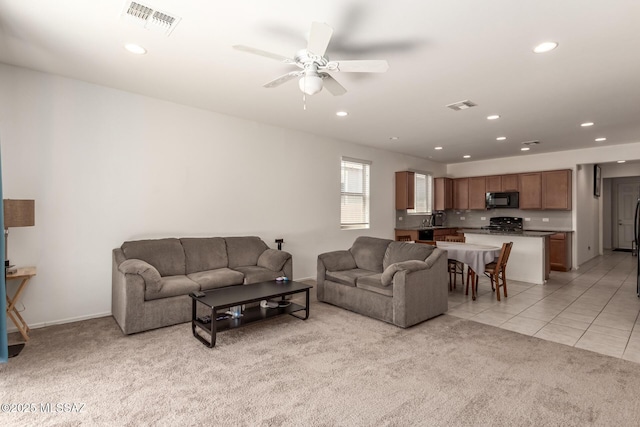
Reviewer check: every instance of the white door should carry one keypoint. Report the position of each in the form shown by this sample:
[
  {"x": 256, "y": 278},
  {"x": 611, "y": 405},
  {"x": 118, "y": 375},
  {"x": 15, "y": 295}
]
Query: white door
[{"x": 627, "y": 198}]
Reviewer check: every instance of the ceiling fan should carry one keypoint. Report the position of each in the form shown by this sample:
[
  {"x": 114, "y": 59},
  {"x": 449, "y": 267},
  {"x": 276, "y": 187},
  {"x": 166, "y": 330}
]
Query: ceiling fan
[{"x": 315, "y": 66}]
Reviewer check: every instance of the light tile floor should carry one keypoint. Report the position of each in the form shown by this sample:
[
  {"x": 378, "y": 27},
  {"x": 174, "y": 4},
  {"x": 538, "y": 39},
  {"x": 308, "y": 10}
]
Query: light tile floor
[{"x": 595, "y": 308}]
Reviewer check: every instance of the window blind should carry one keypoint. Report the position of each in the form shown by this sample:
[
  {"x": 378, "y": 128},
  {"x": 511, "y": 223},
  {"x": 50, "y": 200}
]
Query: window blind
[{"x": 354, "y": 193}]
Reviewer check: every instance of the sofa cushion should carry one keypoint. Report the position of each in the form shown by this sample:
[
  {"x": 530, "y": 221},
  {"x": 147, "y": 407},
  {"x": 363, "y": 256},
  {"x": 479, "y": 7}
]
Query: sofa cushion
[
  {"x": 374, "y": 284},
  {"x": 255, "y": 274},
  {"x": 348, "y": 277},
  {"x": 338, "y": 260},
  {"x": 403, "y": 251},
  {"x": 410, "y": 266},
  {"x": 243, "y": 251},
  {"x": 172, "y": 286},
  {"x": 149, "y": 273},
  {"x": 217, "y": 278},
  {"x": 273, "y": 259},
  {"x": 368, "y": 252},
  {"x": 203, "y": 254},
  {"x": 166, "y": 255}
]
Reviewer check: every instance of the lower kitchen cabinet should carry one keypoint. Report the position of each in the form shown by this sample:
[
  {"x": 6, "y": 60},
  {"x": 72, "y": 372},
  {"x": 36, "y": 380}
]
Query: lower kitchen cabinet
[{"x": 560, "y": 251}]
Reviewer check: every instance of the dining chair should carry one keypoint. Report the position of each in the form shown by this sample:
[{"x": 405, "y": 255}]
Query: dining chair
[
  {"x": 455, "y": 267},
  {"x": 497, "y": 270}
]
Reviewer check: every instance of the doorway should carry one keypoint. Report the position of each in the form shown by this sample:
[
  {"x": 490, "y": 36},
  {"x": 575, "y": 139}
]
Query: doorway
[{"x": 627, "y": 194}]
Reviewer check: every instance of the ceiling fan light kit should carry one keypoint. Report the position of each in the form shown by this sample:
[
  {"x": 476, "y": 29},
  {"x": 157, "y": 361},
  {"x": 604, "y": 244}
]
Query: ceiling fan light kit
[{"x": 315, "y": 66}]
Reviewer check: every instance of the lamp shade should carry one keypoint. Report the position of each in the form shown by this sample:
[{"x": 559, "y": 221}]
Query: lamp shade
[{"x": 19, "y": 213}]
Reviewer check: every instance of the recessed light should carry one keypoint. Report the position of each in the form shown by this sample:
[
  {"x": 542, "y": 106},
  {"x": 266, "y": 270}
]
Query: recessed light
[
  {"x": 134, "y": 48},
  {"x": 621, "y": 161},
  {"x": 493, "y": 117},
  {"x": 501, "y": 138},
  {"x": 600, "y": 139},
  {"x": 342, "y": 114},
  {"x": 586, "y": 124},
  {"x": 437, "y": 148},
  {"x": 525, "y": 149},
  {"x": 394, "y": 138},
  {"x": 466, "y": 156},
  {"x": 545, "y": 47}
]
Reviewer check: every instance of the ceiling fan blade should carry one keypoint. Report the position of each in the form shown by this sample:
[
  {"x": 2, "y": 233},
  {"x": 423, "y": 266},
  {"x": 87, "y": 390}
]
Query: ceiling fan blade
[
  {"x": 359, "y": 66},
  {"x": 283, "y": 79},
  {"x": 319, "y": 38},
  {"x": 264, "y": 53},
  {"x": 332, "y": 85}
]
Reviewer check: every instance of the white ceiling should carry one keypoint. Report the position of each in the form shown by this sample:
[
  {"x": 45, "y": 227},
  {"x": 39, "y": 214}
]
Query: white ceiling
[{"x": 439, "y": 52}]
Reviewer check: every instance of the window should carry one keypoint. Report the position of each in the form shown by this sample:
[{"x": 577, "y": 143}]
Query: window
[
  {"x": 424, "y": 190},
  {"x": 354, "y": 193}
]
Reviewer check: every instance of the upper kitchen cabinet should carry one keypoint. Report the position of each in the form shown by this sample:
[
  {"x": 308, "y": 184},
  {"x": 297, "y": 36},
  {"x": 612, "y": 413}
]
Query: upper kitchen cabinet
[
  {"x": 531, "y": 190},
  {"x": 494, "y": 184},
  {"x": 510, "y": 182},
  {"x": 461, "y": 193},
  {"x": 442, "y": 194},
  {"x": 502, "y": 183},
  {"x": 556, "y": 190},
  {"x": 477, "y": 192},
  {"x": 405, "y": 190}
]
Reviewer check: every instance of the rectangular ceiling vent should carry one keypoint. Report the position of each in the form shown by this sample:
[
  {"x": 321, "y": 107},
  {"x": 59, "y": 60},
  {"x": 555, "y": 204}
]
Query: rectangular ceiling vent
[
  {"x": 462, "y": 105},
  {"x": 149, "y": 17},
  {"x": 531, "y": 143}
]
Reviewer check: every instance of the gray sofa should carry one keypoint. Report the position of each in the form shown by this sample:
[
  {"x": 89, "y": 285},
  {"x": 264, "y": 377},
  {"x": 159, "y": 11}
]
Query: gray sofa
[
  {"x": 397, "y": 282},
  {"x": 151, "y": 279}
]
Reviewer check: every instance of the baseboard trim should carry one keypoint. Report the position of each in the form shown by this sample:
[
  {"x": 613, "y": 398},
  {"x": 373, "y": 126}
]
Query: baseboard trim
[{"x": 61, "y": 321}]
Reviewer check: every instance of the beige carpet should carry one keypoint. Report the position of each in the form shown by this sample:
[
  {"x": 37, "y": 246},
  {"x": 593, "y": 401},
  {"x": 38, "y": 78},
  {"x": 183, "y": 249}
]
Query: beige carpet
[{"x": 337, "y": 368}]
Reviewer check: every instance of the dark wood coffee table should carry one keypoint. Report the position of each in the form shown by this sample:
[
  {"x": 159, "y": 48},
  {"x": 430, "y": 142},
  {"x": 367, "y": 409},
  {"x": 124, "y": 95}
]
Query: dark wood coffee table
[{"x": 223, "y": 298}]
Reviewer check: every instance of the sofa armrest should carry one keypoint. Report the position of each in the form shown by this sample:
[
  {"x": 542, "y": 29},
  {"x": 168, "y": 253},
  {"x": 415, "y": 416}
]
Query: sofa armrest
[
  {"x": 148, "y": 272},
  {"x": 407, "y": 266},
  {"x": 421, "y": 294},
  {"x": 273, "y": 259}
]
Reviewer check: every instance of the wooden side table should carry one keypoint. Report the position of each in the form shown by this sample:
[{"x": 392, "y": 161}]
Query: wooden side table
[{"x": 25, "y": 274}]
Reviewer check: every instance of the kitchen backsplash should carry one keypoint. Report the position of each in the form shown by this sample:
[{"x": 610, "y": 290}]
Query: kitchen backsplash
[{"x": 555, "y": 220}]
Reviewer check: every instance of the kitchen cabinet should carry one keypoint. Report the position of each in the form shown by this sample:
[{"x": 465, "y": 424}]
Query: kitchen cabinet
[
  {"x": 560, "y": 251},
  {"x": 461, "y": 193},
  {"x": 510, "y": 182},
  {"x": 405, "y": 190},
  {"x": 442, "y": 194},
  {"x": 494, "y": 184},
  {"x": 477, "y": 192},
  {"x": 531, "y": 190},
  {"x": 556, "y": 190},
  {"x": 404, "y": 235}
]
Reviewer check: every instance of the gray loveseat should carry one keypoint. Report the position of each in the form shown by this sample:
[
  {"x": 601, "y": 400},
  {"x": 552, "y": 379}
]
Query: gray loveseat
[
  {"x": 397, "y": 282},
  {"x": 151, "y": 279}
]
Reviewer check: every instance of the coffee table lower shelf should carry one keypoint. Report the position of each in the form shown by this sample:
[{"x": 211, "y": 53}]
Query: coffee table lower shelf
[{"x": 220, "y": 299}]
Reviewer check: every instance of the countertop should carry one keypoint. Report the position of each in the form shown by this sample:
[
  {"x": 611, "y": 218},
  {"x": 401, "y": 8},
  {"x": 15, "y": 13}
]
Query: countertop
[
  {"x": 419, "y": 227},
  {"x": 523, "y": 233}
]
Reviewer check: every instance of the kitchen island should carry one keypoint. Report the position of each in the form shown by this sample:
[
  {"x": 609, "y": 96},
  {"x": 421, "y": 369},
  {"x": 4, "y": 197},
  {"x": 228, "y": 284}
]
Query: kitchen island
[{"x": 529, "y": 259}]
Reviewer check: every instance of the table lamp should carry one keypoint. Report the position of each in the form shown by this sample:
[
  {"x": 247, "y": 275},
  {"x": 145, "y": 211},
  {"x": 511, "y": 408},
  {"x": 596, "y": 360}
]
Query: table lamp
[{"x": 17, "y": 213}]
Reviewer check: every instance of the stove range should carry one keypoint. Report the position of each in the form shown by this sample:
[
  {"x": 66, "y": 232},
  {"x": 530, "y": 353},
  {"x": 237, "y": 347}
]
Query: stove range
[{"x": 504, "y": 224}]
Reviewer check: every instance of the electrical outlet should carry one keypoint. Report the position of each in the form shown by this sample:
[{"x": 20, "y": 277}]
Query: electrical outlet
[
  {"x": 527, "y": 219},
  {"x": 483, "y": 218},
  {"x": 399, "y": 218},
  {"x": 545, "y": 219},
  {"x": 462, "y": 218}
]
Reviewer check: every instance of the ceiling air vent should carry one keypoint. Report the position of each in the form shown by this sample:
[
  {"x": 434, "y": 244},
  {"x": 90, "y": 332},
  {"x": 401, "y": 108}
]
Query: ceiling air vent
[
  {"x": 461, "y": 105},
  {"x": 531, "y": 143},
  {"x": 150, "y": 17}
]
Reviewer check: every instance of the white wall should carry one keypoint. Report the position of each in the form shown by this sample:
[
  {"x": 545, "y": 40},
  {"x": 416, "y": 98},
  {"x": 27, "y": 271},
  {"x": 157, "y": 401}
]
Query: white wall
[
  {"x": 587, "y": 225},
  {"x": 106, "y": 166}
]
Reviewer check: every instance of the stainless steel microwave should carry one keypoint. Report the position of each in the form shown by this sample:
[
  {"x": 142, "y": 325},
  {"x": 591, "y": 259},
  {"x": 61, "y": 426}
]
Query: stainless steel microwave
[{"x": 503, "y": 200}]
